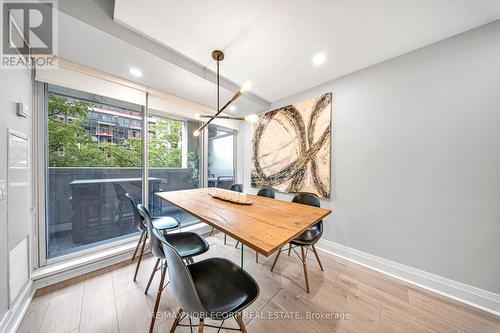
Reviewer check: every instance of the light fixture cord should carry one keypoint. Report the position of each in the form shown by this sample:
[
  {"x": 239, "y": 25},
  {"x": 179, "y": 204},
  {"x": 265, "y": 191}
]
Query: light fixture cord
[{"x": 218, "y": 87}]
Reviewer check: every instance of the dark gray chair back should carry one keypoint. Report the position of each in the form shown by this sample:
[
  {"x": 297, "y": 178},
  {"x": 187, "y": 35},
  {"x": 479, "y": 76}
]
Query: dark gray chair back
[
  {"x": 137, "y": 217},
  {"x": 156, "y": 247},
  {"x": 237, "y": 188},
  {"x": 310, "y": 199},
  {"x": 182, "y": 283},
  {"x": 266, "y": 192}
]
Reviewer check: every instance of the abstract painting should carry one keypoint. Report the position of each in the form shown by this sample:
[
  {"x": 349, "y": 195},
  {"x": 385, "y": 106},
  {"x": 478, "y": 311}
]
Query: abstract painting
[{"x": 291, "y": 147}]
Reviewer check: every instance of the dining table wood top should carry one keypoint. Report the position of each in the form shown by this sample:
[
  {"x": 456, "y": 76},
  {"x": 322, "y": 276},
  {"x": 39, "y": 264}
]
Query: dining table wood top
[{"x": 265, "y": 226}]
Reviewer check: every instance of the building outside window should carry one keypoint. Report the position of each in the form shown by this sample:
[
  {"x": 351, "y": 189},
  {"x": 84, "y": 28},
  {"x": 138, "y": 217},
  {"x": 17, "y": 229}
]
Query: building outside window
[{"x": 94, "y": 157}]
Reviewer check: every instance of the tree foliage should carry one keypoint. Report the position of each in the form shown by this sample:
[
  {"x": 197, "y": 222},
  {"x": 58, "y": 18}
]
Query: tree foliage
[
  {"x": 70, "y": 145},
  {"x": 164, "y": 138}
]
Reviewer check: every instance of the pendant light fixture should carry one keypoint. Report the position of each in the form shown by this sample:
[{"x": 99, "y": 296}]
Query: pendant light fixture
[{"x": 218, "y": 56}]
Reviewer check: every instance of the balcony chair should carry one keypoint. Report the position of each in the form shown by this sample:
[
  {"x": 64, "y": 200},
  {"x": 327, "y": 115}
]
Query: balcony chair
[
  {"x": 236, "y": 188},
  {"x": 187, "y": 244},
  {"x": 267, "y": 192},
  {"x": 212, "y": 181},
  {"x": 123, "y": 201},
  {"x": 161, "y": 223},
  {"x": 225, "y": 182},
  {"x": 306, "y": 239},
  {"x": 214, "y": 288}
]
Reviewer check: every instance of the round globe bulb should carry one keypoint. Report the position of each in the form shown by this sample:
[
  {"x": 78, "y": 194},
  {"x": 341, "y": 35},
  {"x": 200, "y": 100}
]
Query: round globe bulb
[
  {"x": 252, "y": 118},
  {"x": 247, "y": 85}
]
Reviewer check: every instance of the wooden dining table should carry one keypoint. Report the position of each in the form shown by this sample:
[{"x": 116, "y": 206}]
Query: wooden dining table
[{"x": 265, "y": 225}]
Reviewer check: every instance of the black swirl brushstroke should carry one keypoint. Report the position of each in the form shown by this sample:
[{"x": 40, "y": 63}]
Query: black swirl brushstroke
[{"x": 307, "y": 149}]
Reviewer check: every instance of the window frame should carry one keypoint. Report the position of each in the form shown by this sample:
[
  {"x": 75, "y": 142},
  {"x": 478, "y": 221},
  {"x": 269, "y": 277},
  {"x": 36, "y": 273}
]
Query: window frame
[
  {"x": 235, "y": 134},
  {"x": 42, "y": 162},
  {"x": 40, "y": 153}
]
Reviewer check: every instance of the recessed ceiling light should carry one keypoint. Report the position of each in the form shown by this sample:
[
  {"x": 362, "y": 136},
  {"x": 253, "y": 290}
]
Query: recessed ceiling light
[
  {"x": 319, "y": 58},
  {"x": 135, "y": 72},
  {"x": 232, "y": 108}
]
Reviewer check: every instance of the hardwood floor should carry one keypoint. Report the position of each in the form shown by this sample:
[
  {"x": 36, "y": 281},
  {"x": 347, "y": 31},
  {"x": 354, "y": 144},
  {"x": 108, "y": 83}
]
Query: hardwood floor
[{"x": 344, "y": 298}]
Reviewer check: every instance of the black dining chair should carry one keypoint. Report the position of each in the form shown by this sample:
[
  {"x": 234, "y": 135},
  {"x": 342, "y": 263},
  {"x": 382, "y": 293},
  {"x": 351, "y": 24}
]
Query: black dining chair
[
  {"x": 214, "y": 288},
  {"x": 236, "y": 188},
  {"x": 306, "y": 239},
  {"x": 161, "y": 223},
  {"x": 267, "y": 192},
  {"x": 187, "y": 244}
]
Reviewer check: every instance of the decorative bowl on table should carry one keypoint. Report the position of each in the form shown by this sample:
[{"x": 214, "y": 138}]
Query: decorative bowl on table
[{"x": 231, "y": 196}]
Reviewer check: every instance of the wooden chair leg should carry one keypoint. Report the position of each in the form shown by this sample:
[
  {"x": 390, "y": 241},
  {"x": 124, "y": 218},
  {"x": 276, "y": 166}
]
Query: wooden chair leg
[
  {"x": 289, "y": 249},
  {"x": 140, "y": 257},
  {"x": 225, "y": 239},
  {"x": 304, "y": 264},
  {"x": 240, "y": 323},
  {"x": 138, "y": 244},
  {"x": 152, "y": 275},
  {"x": 158, "y": 297},
  {"x": 211, "y": 231},
  {"x": 256, "y": 257},
  {"x": 201, "y": 325},
  {"x": 176, "y": 320},
  {"x": 317, "y": 258},
  {"x": 276, "y": 260},
  {"x": 237, "y": 243}
]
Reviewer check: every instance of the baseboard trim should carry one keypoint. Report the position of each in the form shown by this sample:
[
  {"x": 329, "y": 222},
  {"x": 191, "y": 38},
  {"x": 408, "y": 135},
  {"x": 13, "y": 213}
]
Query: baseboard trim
[
  {"x": 14, "y": 316},
  {"x": 52, "y": 275},
  {"x": 57, "y": 273},
  {"x": 478, "y": 298}
]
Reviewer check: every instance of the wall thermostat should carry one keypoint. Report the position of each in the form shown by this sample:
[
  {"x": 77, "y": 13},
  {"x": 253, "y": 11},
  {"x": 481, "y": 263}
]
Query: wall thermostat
[{"x": 22, "y": 110}]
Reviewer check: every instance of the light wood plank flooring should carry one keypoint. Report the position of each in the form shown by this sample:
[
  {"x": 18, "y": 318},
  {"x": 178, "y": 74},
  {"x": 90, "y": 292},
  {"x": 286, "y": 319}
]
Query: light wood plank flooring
[{"x": 109, "y": 301}]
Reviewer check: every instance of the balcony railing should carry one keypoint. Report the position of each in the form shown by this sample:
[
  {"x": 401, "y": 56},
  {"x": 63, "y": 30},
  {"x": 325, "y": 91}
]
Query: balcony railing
[
  {"x": 104, "y": 132},
  {"x": 87, "y": 205}
]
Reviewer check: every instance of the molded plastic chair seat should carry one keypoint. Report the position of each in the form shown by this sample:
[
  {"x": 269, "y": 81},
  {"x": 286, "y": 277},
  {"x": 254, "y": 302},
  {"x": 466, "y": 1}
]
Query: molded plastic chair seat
[
  {"x": 160, "y": 222},
  {"x": 308, "y": 237},
  {"x": 188, "y": 244},
  {"x": 165, "y": 222},
  {"x": 223, "y": 287}
]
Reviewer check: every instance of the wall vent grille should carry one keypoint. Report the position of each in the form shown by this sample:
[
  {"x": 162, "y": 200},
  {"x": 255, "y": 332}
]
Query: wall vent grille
[{"x": 19, "y": 271}]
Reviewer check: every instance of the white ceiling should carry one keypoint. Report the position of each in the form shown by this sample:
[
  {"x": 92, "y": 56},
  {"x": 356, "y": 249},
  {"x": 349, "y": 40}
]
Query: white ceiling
[
  {"x": 272, "y": 43},
  {"x": 84, "y": 44}
]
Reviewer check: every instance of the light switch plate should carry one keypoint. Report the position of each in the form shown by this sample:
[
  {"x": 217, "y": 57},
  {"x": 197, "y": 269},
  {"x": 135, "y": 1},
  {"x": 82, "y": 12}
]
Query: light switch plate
[{"x": 3, "y": 189}]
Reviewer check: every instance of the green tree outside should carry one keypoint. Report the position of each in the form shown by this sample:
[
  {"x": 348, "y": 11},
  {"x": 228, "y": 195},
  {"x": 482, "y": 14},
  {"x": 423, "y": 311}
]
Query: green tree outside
[{"x": 71, "y": 146}]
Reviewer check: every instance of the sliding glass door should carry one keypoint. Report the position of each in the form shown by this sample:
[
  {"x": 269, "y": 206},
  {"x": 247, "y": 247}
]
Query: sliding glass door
[
  {"x": 94, "y": 157},
  {"x": 221, "y": 147}
]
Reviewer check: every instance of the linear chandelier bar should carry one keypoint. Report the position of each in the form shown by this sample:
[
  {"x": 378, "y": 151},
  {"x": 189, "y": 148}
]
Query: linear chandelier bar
[{"x": 218, "y": 56}]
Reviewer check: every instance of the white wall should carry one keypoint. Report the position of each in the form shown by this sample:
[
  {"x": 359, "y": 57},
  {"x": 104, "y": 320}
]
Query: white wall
[
  {"x": 416, "y": 158},
  {"x": 15, "y": 86}
]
